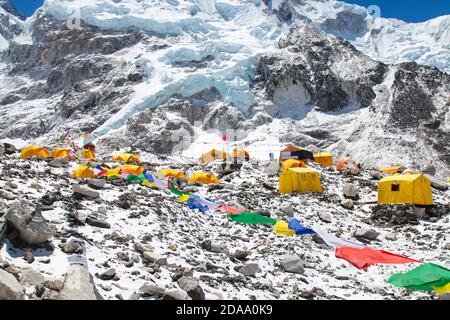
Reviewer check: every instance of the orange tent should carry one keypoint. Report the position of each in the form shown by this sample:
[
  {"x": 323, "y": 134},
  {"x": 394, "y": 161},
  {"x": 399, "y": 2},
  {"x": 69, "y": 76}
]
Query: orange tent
[
  {"x": 325, "y": 159},
  {"x": 347, "y": 163}
]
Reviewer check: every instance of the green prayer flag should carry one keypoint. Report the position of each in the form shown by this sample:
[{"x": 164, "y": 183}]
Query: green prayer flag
[
  {"x": 251, "y": 218},
  {"x": 424, "y": 277},
  {"x": 132, "y": 178},
  {"x": 175, "y": 191}
]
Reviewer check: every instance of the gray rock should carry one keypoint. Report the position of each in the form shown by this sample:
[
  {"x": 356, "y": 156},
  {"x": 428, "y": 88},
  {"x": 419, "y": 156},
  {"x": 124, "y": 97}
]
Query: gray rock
[
  {"x": 192, "y": 288},
  {"x": 9, "y": 287},
  {"x": 30, "y": 277},
  {"x": 177, "y": 294},
  {"x": 7, "y": 195},
  {"x": 390, "y": 236},
  {"x": 241, "y": 254},
  {"x": 28, "y": 256},
  {"x": 80, "y": 216},
  {"x": 77, "y": 189},
  {"x": 141, "y": 248},
  {"x": 30, "y": 223},
  {"x": 78, "y": 285},
  {"x": 97, "y": 223},
  {"x": 436, "y": 183},
  {"x": 293, "y": 264},
  {"x": 154, "y": 257},
  {"x": 366, "y": 234},
  {"x": 56, "y": 163},
  {"x": 108, "y": 275},
  {"x": 2, "y": 150},
  {"x": 96, "y": 183},
  {"x": 324, "y": 216},
  {"x": 288, "y": 209},
  {"x": 55, "y": 284},
  {"x": 250, "y": 269},
  {"x": 347, "y": 203},
  {"x": 149, "y": 289},
  {"x": 73, "y": 246},
  {"x": 350, "y": 190}
]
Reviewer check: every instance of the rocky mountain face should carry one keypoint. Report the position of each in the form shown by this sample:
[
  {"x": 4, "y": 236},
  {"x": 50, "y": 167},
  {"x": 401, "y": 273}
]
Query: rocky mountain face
[{"x": 329, "y": 74}]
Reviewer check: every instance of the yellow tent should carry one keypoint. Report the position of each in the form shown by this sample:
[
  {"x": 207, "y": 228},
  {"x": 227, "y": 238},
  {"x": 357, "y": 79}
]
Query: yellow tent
[
  {"x": 60, "y": 153},
  {"x": 172, "y": 173},
  {"x": 127, "y": 157},
  {"x": 410, "y": 188},
  {"x": 88, "y": 154},
  {"x": 33, "y": 151},
  {"x": 392, "y": 170},
  {"x": 300, "y": 180},
  {"x": 212, "y": 155},
  {"x": 325, "y": 159},
  {"x": 292, "y": 163},
  {"x": 204, "y": 178},
  {"x": 240, "y": 153},
  {"x": 132, "y": 169},
  {"x": 83, "y": 172}
]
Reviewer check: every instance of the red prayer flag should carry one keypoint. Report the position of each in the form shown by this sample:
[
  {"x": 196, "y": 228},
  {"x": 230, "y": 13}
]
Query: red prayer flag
[
  {"x": 228, "y": 209},
  {"x": 224, "y": 138},
  {"x": 365, "y": 257}
]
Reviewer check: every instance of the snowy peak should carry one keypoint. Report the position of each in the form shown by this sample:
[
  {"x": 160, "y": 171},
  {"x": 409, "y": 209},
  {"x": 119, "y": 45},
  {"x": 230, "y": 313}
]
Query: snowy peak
[
  {"x": 387, "y": 40},
  {"x": 9, "y": 7}
]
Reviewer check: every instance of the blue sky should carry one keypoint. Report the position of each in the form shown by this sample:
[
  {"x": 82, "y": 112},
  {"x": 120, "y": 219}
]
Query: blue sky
[{"x": 408, "y": 10}]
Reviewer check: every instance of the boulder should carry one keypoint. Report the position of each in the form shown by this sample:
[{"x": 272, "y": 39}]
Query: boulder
[
  {"x": 250, "y": 269},
  {"x": 366, "y": 234},
  {"x": 390, "y": 236},
  {"x": 347, "y": 203},
  {"x": 350, "y": 191},
  {"x": 2, "y": 150},
  {"x": 97, "y": 223},
  {"x": 73, "y": 246},
  {"x": 9, "y": 148},
  {"x": 9, "y": 287},
  {"x": 108, "y": 275},
  {"x": 436, "y": 183},
  {"x": 149, "y": 289},
  {"x": 287, "y": 209},
  {"x": 241, "y": 254},
  {"x": 96, "y": 183},
  {"x": 176, "y": 294},
  {"x": 30, "y": 277},
  {"x": 192, "y": 287},
  {"x": 77, "y": 189},
  {"x": 154, "y": 257},
  {"x": 78, "y": 285},
  {"x": 28, "y": 220},
  {"x": 56, "y": 163},
  {"x": 292, "y": 263},
  {"x": 324, "y": 216}
]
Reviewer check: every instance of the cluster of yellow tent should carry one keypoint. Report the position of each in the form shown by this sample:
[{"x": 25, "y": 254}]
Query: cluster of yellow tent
[
  {"x": 35, "y": 151},
  {"x": 215, "y": 154}
]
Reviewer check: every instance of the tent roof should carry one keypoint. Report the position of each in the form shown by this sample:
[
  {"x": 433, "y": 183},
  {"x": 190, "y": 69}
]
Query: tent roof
[
  {"x": 408, "y": 177},
  {"x": 302, "y": 170}
]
